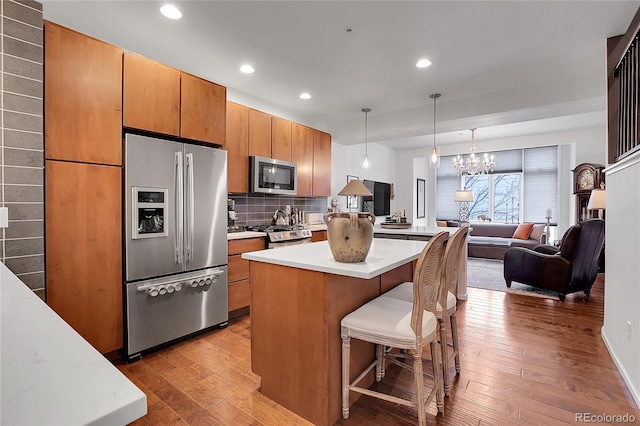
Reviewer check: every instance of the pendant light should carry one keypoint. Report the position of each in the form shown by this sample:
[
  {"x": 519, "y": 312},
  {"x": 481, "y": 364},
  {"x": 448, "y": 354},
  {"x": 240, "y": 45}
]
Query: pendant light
[
  {"x": 365, "y": 162},
  {"x": 434, "y": 157}
]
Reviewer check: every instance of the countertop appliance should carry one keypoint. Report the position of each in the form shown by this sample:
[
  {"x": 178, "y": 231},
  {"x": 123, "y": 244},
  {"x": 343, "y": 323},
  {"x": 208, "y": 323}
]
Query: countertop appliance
[
  {"x": 283, "y": 235},
  {"x": 271, "y": 176},
  {"x": 175, "y": 201},
  {"x": 314, "y": 218}
]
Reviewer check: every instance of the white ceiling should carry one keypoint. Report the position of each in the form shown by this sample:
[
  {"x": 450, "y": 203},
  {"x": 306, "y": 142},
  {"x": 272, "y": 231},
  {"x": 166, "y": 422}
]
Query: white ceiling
[{"x": 509, "y": 68}]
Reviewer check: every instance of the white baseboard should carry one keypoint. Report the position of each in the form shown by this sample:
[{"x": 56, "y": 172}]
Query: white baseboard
[{"x": 625, "y": 376}]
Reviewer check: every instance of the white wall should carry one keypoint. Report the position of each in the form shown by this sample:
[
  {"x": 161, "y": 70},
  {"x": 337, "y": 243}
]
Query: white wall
[
  {"x": 622, "y": 288},
  {"x": 420, "y": 171},
  {"x": 347, "y": 160},
  {"x": 577, "y": 146}
]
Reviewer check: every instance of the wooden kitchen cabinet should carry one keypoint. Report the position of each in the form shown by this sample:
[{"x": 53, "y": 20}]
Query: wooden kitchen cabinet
[
  {"x": 237, "y": 146},
  {"x": 83, "y": 248},
  {"x": 151, "y": 95},
  {"x": 318, "y": 236},
  {"x": 239, "y": 282},
  {"x": 165, "y": 100},
  {"x": 202, "y": 110},
  {"x": 280, "y": 139},
  {"x": 259, "y": 133},
  {"x": 302, "y": 155},
  {"x": 321, "y": 164},
  {"x": 83, "y": 97}
]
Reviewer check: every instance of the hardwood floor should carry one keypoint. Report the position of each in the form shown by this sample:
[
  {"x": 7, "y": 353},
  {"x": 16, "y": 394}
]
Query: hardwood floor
[{"x": 525, "y": 360}]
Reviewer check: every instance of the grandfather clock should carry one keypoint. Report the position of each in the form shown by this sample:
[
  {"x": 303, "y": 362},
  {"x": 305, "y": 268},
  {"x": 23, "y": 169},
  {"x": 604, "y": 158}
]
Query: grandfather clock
[{"x": 586, "y": 176}]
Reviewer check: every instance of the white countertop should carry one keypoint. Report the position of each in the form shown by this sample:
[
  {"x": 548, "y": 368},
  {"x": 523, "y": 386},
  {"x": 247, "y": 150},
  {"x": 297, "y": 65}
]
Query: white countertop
[
  {"x": 383, "y": 256},
  {"x": 245, "y": 234},
  {"x": 253, "y": 234},
  {"x": 50, "y": 375},
  {"x": 414, "y": 230}
]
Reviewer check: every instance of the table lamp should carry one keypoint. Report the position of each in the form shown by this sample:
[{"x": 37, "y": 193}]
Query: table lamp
[
  {"x": 355, "y": 187},
  {"x": 464, "y": 197},
  {"x": 598, "y": 200}
]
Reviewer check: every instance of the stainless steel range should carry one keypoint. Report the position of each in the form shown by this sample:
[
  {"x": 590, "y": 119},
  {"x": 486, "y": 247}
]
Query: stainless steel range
[
  {"x": 176, "y": 241},
  {"x": 283, "y": 235}
]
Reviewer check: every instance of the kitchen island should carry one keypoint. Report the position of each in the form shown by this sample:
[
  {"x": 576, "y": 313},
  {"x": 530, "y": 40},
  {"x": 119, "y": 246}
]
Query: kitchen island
[
  {"x": 50, "y": 375},
  {"x": 299, "y": 295},
  {"x": 424, "y": 233}
]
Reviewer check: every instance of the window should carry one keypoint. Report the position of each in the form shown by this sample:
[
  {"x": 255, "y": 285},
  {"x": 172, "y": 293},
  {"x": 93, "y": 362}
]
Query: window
[
  {"x": 497, "y": 196},
  {"x": 521, "y": 189}
]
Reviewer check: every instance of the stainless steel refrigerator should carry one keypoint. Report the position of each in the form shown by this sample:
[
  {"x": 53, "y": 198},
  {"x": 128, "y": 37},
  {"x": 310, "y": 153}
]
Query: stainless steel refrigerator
[{"x": 176, "y": 240}]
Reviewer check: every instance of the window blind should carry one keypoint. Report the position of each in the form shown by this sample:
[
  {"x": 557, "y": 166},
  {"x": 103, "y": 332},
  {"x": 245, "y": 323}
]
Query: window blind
[
  {"x": 540, "y": 191},
  {"x": 509, "y": 161},
  {"x": 447, "y": 183}
]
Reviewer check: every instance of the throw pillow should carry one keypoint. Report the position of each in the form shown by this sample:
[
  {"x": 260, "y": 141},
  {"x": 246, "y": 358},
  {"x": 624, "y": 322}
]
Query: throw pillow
[
  {"x": 536, "y": 233},
  {"x": 442, "y": 223},
  {"x": 522, "y": 231}
]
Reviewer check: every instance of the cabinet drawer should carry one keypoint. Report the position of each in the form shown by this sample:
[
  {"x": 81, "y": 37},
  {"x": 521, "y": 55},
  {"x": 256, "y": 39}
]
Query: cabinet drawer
[
  {"x": 318, "y": 236},
  {"x": 238, "y": 268},
  {"x": 243, "y": 246},
  {"x": 239, "y": 295}
]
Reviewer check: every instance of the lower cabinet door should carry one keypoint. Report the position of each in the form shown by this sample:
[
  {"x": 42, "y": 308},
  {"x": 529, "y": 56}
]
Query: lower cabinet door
[
  {"x": 83, "y": 248},
  {"x": 239, "y": 295}
]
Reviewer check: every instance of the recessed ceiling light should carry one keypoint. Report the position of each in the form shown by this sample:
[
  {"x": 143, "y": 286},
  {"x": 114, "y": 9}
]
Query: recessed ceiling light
[
  {"x": 170, "y": 11},
  {"x": 247, "y": 69},
  {"x": 305, "y": 95},
  {"x": 423, "y": 63}
]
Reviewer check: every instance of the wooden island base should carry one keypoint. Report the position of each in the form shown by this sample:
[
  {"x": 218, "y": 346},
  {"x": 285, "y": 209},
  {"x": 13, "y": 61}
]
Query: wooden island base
[{"x": 295, "y": 334}]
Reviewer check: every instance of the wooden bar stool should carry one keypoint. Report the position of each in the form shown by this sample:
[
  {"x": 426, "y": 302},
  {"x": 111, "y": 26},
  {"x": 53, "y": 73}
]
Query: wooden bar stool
[
  {"x": 446, "y": 299},
  {"x": 392, "y": 323}
]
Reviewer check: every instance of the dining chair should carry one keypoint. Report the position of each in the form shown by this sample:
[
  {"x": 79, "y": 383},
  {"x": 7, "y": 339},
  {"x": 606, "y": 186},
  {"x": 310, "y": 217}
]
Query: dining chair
[
  {"x": 397, "y": 324},
  {"x": 447, "y": 299}
]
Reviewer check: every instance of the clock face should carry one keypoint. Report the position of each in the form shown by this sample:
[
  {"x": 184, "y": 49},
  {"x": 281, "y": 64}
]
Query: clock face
[{"x": 585, "y": 180}]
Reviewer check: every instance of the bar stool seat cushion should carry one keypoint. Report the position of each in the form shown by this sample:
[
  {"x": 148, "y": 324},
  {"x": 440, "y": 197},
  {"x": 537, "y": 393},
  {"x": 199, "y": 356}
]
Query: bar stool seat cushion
[
  {"x": 387, "y": 321},
  {"x": 404, "y": 292}
]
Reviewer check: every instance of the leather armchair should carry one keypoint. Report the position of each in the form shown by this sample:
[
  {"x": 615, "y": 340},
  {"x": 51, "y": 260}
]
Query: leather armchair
[{"x": 572, "y": 268}]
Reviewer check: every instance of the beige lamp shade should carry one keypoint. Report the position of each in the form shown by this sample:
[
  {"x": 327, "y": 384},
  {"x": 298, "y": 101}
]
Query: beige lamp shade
[
  {"x": 464, "y": 195},
  {"x": 597, "y": 200},
  {"x": 355, "y": 187}
]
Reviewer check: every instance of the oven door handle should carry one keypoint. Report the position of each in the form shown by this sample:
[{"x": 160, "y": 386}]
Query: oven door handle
[
  {"x": 190, "y": 207},
  {"x": 179, "y": 201}
]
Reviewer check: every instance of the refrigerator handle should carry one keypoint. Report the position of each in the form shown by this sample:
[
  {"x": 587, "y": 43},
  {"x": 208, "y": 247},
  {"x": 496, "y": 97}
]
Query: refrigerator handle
[
  {"x": 179, "y": 201},
  {"x": 190, "y": 207}
]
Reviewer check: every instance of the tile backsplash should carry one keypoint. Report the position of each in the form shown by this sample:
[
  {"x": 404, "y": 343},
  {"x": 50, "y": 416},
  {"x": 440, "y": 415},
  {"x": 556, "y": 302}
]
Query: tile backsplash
[
  {"x": 258, "y": 209},
  {"x": 21, "y": 143}
]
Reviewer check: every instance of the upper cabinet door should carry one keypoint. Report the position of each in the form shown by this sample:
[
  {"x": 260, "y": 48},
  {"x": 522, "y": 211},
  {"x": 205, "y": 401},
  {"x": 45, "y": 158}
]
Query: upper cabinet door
[
  {"x": 151, "y": 95},
  {"x": 237, "y": 148},
  {"x": 259, "y": 133},
  {"x": 280, "y": 139},
  {"x": 83, "y": 92},
  {"x": 202, "y": 110},
  {"x": 302, "y": 155},
  {"x": 321, "y": 163}
]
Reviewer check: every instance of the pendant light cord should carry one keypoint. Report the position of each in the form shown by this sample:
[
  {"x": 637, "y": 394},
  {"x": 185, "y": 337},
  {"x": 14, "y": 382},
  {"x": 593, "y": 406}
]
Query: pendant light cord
[{"x": 366, "y": 128}]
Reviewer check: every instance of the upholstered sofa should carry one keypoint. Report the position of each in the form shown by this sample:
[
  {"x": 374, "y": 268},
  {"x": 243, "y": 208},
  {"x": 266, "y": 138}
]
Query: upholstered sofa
[{"x": 490, "y": 239}]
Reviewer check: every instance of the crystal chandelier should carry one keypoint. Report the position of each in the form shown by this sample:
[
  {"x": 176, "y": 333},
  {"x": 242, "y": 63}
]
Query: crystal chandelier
[{"x": 473, "y": 165}]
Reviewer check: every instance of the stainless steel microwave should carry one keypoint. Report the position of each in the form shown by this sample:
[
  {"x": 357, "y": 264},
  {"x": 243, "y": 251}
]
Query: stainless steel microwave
[{"x": 270, "y": 176}]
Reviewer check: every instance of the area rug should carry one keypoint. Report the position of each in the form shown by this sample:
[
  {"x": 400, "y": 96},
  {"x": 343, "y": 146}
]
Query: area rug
[{"x": 488, "y": 274}]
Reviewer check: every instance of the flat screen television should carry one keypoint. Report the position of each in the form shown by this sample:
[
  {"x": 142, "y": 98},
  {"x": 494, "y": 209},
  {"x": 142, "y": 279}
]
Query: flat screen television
[{"x": 380, "y": 203}]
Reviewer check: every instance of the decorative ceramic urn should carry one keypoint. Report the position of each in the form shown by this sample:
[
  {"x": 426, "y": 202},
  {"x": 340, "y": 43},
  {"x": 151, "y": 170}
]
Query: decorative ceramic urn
[{"x": 350, "y": 235}]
